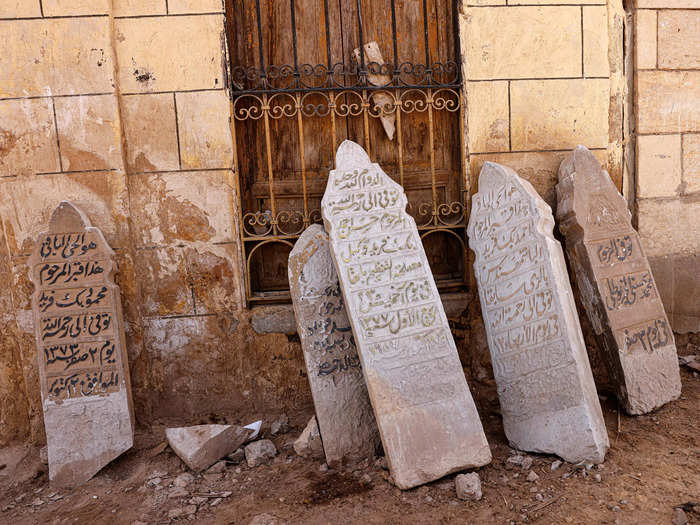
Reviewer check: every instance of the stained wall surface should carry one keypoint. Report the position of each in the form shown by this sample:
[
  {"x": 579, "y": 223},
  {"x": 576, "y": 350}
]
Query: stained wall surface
[{"x": 121, "y": 106}]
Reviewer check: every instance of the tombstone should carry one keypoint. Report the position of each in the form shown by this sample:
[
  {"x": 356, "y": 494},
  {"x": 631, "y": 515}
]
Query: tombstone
[
  {"x": 545, "y": 385},
  {"x": 343, "y": 411},
  {"x": 616, "y": 285},
  {"x": 83, "y": 370},
  {"x": 426, "y": 415}
]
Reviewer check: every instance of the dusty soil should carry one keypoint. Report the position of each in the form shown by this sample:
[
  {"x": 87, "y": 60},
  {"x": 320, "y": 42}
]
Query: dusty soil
[{"x": 653, "y": 466}]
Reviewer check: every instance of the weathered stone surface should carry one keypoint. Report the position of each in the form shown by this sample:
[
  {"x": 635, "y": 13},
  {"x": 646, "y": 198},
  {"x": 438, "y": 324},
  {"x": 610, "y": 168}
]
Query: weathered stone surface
[
  {"x": 343, "y": 409},
  {"x": 616, "y": 285},
  {"x": 468, "y": 486},
  {"x": 83, "y": 369},
  {"x": 260, "y": 452},
  {"x": 309, "y": 441},
  {"x": 426, "y": 415},
  {"x": 203, "y": 445},
  {"x": 545, "y": 385}
]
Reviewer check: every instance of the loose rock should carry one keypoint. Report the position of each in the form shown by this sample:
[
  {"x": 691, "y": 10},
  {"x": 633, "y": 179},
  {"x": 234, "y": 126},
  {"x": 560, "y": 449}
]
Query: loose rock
[
  {"x": 679, "y": 517},
  {"x": 182, "y": 512},
  {"x": 260, "y": 452},
  {"x": 468, "y": 486},
  {"x": 555, "y": 465},
  {"x": 216, "y": 468},
  {"x": 201, "y": 446},
  {"x": 236, "y": 457},
  {"x": 309, "y": 442},
  {"x": 527, "y": 463},
  {"x": 280, "y": 425},
  {"x": 183, "y": 479},
  {"x": 532, "y": 476}
]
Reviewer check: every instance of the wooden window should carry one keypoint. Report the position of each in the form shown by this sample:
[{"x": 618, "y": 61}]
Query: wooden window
[{"x": 299, "y": 88}]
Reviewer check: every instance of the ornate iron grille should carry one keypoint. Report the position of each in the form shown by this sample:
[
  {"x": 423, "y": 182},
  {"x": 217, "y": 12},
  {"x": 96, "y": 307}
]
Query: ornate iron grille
[{"x": 290, "y": 115}]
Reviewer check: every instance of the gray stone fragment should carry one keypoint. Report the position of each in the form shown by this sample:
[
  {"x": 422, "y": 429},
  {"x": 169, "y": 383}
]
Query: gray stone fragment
[
  {"x": 532, "y": 476},
  {"x": 280, "y": 425},
  {"x": 260, "y": 452},
  {"x": 468, "y": 486},
  {"x": 679, "y": 517},
  {"x": 183, "y": 479},
  {"x": 216, "y": 468},
  {"x": 236, "y": 457},
  {"x": 309, "y": 444},
  {"x": 203, "y": 445}
]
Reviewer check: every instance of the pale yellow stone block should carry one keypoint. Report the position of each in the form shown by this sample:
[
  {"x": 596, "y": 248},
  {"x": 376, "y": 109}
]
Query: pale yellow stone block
[
  {"x": 195, "y": 6},
  {"x": 658, "y": 225},
  {"x": 667, "y": 101},
  {"x": 60, "y": 56},
  {"x": 471, "y": 3},
  {"x": 150, "y": 132},
  {"x": 205, "y": 133},
  {"x": 178, "y": 53},
  {"x": 27, "y": 137},
  {"x": 139, "y": 7},
  {"x": 559, "y": 114},
  {"x": 658, "y": 165},
  {"x": 645, "y": 39},
  {"x": 19, "y": 8},
  {"x": 523, "y": 42},
  {"x": 76, "y": 7},
  {"x": 26, "y": 205},
  {"x": 595, "y": 41},
  {"x": 487, "y": 103},
  {"x": 556, "y": 2},
  {"x": 691, "y": 163},
  {"x": 89, "y": 132},
  {"x": 688, "y": 228},
  {"x": 679, "y": 39},
  {"x": 668, "y": 4},
  {"x": 539, "y": 168}
]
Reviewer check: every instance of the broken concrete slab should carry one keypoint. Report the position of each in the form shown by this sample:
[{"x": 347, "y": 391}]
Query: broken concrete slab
[
  {"x": 616, "y": 285},
  {"x": 81, "y": 346},
  {"x": 343, "y": 410},
  {"x": 203, "y": 445},
  {"x": 545, "y": 385},
  {"x": 426, "y": 415}
]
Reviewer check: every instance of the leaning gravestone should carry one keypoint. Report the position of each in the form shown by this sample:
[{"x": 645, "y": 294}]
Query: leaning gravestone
[
  {"x": 545, "y": 385},
  {"x": 616, "y": 285},
  {"x": 83, "y": 371},
  {"x": 426, "y": 415},
  {"x": 343, "y": 411}
]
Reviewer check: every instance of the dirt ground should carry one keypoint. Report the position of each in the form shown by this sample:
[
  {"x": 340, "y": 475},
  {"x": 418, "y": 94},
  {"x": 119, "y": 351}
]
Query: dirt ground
[{"x": 652, "y": 467}]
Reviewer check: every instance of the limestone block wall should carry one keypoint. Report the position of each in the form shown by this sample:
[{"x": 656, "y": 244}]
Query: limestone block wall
[
  {"x": 541, "y": 77},
  {"x": 667, "y": 114},
  {"x": 122, "y": 107}
]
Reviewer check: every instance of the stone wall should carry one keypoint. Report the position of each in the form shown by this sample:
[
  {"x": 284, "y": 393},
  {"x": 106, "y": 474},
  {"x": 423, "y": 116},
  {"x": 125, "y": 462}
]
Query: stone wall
[
  {"x": 667, "y": 113},
  {"x": 121, "y": 106}
]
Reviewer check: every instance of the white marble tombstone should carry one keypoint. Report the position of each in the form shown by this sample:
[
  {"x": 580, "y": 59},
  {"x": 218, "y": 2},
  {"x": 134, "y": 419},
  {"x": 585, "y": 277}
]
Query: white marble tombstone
[
  {"x": 545, "y": 385},
  {"x": 426, "y": 415},
  {"x": 343, "y": 411},
  {"x": 83, "y": 369},
  {"x": 616, "y": 286}
]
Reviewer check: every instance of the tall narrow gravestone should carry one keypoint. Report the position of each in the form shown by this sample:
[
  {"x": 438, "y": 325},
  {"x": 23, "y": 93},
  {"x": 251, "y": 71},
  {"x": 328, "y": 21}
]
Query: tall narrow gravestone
[
  {"x": 545, "y": 385},
  {"x": 79, "y": 331},
  {"x": 616, "y": 285},
  {"x": 343, "y": 411},
  {"x": 426, "y": 416}
]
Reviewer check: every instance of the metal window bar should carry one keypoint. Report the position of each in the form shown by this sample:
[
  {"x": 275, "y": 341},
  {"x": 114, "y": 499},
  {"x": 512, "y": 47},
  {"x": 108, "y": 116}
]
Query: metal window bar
[{"x": 341, "y": 91}]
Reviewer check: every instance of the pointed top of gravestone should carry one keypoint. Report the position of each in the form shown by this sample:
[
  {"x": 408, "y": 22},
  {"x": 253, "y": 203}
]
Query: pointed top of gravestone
[
  {"x": 580, "y": 160},
  {"x": 305, "y": 238},
  {"x": 351, "y": 155},
  {"x": 67, "y": 218}
]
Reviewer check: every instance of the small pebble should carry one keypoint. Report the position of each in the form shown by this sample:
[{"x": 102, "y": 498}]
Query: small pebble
[
  {"x": 555, "y": 465},
  {"x": 532, "y": 476}
]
